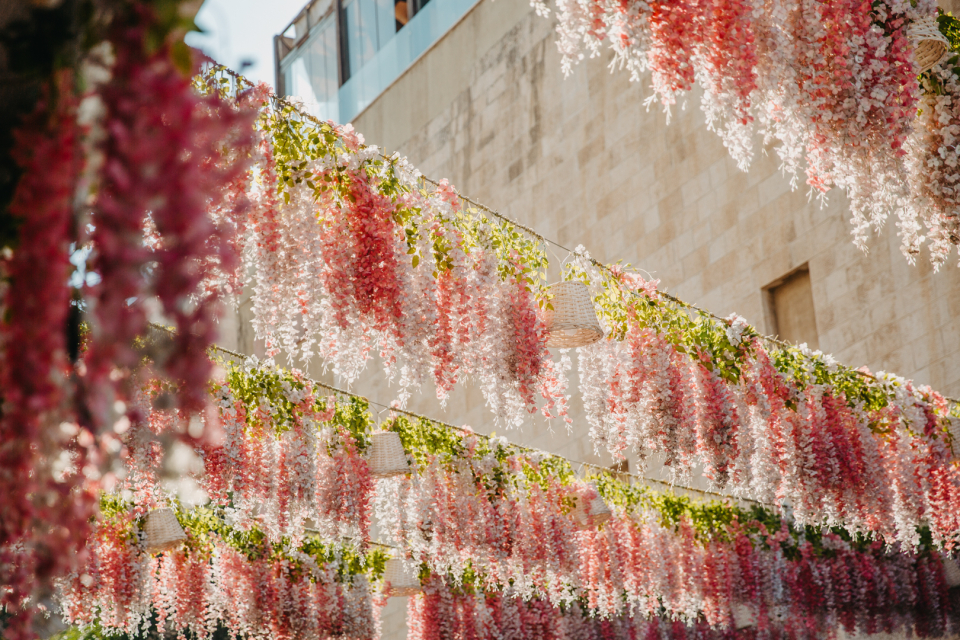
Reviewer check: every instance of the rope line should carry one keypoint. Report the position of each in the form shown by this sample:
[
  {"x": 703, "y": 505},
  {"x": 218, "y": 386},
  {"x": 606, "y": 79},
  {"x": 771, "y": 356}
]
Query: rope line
[{"x": 572, "y": 463}]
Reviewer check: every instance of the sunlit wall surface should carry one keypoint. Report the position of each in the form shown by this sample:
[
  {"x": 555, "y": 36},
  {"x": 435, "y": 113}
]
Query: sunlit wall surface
[{"x": 339, "y": 55}]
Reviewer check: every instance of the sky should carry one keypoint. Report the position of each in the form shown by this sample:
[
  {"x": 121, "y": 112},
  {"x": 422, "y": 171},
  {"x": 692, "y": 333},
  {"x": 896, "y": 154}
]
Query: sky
[{"x": 240, "y": 32}]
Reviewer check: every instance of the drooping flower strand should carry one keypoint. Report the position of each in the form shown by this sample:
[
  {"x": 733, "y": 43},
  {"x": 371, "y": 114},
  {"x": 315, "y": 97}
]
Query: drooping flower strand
[
  {"x": 41, "y": 465},
  {"x": 221, "y": 576},
  {"x": 834, "y": 84},
  {"x": 163, "y": 168},
  {"x": 392, "y": 268},
  {"x": 118, "y": 170}
]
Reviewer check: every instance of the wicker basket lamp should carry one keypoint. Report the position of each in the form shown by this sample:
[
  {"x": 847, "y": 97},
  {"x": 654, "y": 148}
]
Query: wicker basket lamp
[
  {"x": 162, "y": 531},
  {"x": 929, "y": 44},
  {"x": 386, "y": 456},
  {"x": 955, "y": 435},
  {"x": 951, "y": 571},
  {"x": 597, "y": 510},
  {"x": 573, "y": 321},
  {"x": 743, "y": 616},
  {"x": 400, "y": 580}
]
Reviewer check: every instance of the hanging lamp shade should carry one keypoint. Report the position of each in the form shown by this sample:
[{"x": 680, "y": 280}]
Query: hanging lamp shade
[
  {"x": 743, "y": 616},
  {"x": 573, "y": 321},
  {"x": 929, "y": 44},
  {"x": 955, "y": 436},
  {"x": 386, "y": 456},
  {"x": 162, "y": 531},
  {"x": 951, "y": 571},
  {"x": 400, "y": 580},
  {"x": 596, "y": 511}
]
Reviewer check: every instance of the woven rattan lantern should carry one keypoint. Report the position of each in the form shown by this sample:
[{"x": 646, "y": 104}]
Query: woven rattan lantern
[
  {"x": 743, "y": 616},
  {"x": 929, "y": 44},
  {"x": 955, "y": 435},
  {"x": 951, "y": 571},
  {"x": 573, "y": 321},
  {"x": 386, "y": 457},
  {"x": 400, "y": 580},
  {"x": 162, "y": 531},
  {"x": 597, "y": 510}
]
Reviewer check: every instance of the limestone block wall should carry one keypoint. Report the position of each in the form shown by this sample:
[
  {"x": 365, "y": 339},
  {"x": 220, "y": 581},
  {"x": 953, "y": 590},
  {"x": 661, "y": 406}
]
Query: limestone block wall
[{"x": 584, "y": 161}]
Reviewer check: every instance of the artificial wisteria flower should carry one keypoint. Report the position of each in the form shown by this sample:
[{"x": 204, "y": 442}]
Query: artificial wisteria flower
[
  {"x": 47, "y": 474},
  {"x": 217, "y": 579},
  {"x": 357, "y": 258},
  {"x": 833, "y": 83}
]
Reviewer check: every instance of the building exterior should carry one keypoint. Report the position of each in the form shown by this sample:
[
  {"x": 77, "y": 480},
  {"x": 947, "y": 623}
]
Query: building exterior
[
  {"x": 583, "y": 161},
  {"x": 339, "y": 55}
]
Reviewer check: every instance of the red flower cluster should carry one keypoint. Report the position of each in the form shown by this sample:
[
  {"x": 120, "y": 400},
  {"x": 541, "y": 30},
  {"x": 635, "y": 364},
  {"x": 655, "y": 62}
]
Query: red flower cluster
[
  {"x": 196, "y": 589},
  {"x": 163, "y": 166},
  {"x": 775, "y": 439},
  {"x": 43, "y": 512}
]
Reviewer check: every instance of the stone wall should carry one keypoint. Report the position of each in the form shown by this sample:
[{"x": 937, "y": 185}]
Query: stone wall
[{"x": 585, "y": 162}]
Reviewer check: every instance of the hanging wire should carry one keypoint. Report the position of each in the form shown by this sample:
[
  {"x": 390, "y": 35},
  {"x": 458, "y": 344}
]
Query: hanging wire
[
  {"x": 687, "y": 305},
  {"x": 573, "y": 463}
]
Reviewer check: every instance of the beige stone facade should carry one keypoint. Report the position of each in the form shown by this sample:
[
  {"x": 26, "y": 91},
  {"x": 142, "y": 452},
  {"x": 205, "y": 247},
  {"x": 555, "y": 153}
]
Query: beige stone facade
[{"x": 585, "y": 162}]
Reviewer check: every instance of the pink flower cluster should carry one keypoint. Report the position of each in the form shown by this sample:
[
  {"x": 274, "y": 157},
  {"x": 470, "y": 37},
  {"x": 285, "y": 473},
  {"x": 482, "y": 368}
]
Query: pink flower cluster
[
  {"x": 360, "y": 251},
  {"x": 43, "y": 520},
  {"x": 196, "y": 589},
  {"x": 833, "y": 82},
  {"x": 390, "y": 270},
  {"x": 887, "y": 471},
  {"x": 860, "y": 592},
  {"x": 162, "y": 169}
]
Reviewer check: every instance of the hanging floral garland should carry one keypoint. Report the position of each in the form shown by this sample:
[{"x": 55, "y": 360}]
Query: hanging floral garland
[
  {"x": 286, "y": 459},
  {"x": 483, "y": 512},
  {"x": 439, "y": 230},
  {"x": 834, "y": 83},
  {"x": 34, "y": 307},
  {"x": 781, "y": 425},
  {"x": 353, "y": 257},
  {"x": 489, "y": 516},
  {"x": 464, "y": 612},
  {"x": 840, "y": 447},
  {"x": 120, "y": 147},
  {"x": 220, "y": 577}
]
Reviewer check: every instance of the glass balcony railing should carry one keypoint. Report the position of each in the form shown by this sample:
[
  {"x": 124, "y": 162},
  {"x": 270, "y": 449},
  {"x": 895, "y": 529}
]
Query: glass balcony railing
[{"x": 397, "y": 54}]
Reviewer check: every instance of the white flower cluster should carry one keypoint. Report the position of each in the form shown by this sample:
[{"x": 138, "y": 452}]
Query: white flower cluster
[
  {"x": 468, "y": 323},
  {"x": 820, "y": 454},
  {"x": 834, "y": 83}
]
